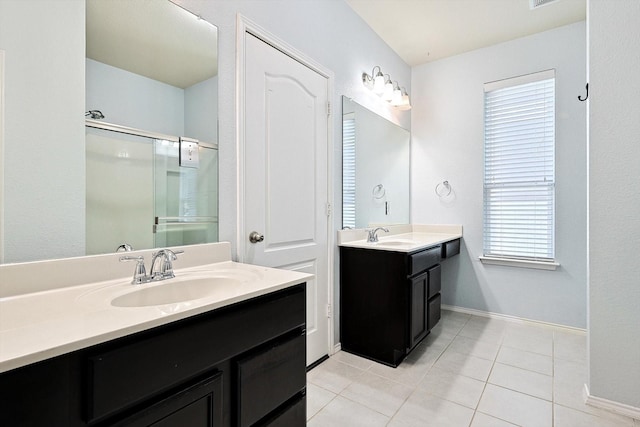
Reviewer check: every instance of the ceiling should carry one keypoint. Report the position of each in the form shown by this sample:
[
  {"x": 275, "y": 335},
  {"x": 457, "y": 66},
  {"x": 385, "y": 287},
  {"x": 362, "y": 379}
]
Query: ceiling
[
  {"x": 156, "y": 39},
  {"x": 421, "y": 31}
]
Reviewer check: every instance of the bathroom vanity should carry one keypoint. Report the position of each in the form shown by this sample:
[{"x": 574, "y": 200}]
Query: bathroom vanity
[
  {"x": 390, "y": 291},
  {"x": 234, "y": 357}
]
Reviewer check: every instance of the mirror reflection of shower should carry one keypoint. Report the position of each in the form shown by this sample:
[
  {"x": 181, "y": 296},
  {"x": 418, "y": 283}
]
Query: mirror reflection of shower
[{"x": 94, "y": 114}]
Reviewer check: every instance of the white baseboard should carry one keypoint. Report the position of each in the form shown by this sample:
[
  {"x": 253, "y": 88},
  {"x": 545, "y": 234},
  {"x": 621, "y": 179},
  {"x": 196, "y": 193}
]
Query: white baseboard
[
  {"x": 610, "y": 405},
  {"x": 336, "y": 348},
  {"x": 509, "y": 318}
]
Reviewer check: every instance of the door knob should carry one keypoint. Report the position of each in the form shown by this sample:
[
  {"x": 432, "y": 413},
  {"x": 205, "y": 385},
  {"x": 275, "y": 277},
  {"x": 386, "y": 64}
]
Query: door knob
[{"x": 255, "y": 237}]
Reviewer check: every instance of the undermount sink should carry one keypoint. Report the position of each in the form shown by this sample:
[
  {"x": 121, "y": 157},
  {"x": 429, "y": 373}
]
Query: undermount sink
[
  {"x": 171, "y": 292},
  {"x": 185, "y": 290}
]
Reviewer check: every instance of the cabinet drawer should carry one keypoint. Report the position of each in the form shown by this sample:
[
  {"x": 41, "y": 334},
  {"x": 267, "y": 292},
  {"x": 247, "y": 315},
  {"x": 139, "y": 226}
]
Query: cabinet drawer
[
  {"x": 421, "y": 261},
  {"x": 450, "y": 249},
  {"x": 120, "y": 376},
  {"x": 435, "y": 281},
  {"x": 294, "y": 415},
  {"x": 269, "y": 378},
  {"x": 434, "y": 311},
  {"x": 199, "y": 405}
]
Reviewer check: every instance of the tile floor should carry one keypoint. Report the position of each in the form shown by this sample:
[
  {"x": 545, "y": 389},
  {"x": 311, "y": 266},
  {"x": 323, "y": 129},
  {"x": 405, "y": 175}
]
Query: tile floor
[{"x": 470, "y": 371}]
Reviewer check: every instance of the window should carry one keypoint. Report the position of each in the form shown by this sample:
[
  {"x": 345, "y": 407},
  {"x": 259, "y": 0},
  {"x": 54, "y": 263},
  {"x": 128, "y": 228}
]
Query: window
[
  {"x": 519, "y": 171},
  {"x": 349, "y": 170}
]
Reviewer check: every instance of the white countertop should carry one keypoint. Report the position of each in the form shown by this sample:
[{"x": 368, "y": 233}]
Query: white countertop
[
  {"x": 39, "y": 325},
  {"x": 404, "y": 238}
]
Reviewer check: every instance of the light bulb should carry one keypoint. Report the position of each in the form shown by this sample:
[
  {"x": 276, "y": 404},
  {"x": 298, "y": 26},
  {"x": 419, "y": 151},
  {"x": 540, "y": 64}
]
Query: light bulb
[
  {"x": 396, "y": 99},
  {"x": 378, "y": 84},
  {"x": 388, "y": 92},
  {"x": 404, "y": 104}
]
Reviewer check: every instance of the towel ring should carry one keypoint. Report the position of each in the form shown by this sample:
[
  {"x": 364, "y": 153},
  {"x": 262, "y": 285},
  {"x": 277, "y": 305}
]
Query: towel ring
[
  {"x": 378, "y": 191},
  {"x": 443, "y": 189}
]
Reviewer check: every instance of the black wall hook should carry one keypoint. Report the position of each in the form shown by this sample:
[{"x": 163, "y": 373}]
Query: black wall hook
[{"x": 587, "y": 96}]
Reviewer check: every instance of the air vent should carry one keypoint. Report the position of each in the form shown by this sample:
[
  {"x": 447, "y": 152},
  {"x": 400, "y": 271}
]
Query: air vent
[{"x": 534, "y": 4}]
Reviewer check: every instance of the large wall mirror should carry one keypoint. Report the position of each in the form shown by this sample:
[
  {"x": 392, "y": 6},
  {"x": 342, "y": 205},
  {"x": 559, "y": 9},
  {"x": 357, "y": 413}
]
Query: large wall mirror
[
  {"x": 150, "y": 98},
  {"x": 375, "y": 168}
]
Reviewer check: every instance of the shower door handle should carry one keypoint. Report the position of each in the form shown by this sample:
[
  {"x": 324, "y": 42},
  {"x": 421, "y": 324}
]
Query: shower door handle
[{"x": 255, "y": 237}]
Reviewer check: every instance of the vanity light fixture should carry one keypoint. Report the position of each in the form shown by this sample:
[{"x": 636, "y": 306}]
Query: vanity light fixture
[
  {"x": 387, "y": 95},
  {"x": 396, "y": 98},
  {"x": 375, "y": 81},
  {"x": 404, "y": 100},
  {"x": 382, "y": 85}
]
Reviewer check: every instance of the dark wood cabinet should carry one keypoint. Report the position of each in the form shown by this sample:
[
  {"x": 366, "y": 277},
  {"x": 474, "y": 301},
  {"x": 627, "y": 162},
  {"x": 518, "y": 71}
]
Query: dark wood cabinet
[
  {"x": 199, "y": 405},
  {"x": 389, "y": 301},
  {"x": 239, "y": 365},
  {"x": 419, "y": 309},
  {"x": 269, "y": 377}
]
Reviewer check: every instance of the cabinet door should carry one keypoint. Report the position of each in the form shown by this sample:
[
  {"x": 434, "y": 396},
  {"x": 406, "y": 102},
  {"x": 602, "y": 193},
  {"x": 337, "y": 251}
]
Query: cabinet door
[
  {"x": 199, "y": 405},
  {"x": 270, "y": 377},
  {"x": 295, "y": 415},
  {"x": 435, "y": 280},
  {"x": 434, "y": 311},
  {"x": 418, "y": 315}
]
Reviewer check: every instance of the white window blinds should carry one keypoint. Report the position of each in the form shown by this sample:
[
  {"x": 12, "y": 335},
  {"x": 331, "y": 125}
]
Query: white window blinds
[
  {"x": 519, "y": 167},
  {"x": 349, "y": 170}
]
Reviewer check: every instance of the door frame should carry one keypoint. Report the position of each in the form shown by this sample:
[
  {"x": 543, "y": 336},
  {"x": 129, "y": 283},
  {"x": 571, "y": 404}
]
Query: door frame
[
  {"x": 2, "y": 169},
  {"x": 244, "y": 26}
]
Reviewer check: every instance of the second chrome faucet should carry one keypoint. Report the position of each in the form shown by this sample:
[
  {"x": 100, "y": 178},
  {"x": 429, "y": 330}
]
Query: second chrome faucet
[
  {"x": 373, "y": 236},
  {"x": 161, "y": 266}
]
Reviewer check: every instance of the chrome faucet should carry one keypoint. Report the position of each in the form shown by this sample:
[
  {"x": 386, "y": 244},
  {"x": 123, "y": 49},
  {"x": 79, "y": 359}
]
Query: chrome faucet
[
  {"x": 140, "y": 273},
  {"x": 162, "y": 264},
  {"x": 373, "y": 237}
]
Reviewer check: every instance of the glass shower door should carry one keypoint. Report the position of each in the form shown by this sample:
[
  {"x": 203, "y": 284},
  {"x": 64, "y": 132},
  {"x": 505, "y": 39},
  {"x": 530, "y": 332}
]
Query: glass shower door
[
  {"x": 186, "y": 202},
  {"x": 119, "y": 191},
  {"x": 137, "y": 193}
]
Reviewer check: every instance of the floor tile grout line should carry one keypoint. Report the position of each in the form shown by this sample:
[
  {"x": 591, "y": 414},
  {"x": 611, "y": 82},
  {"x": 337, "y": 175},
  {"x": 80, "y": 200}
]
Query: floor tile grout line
[
  {"x": 323, "y": 406},
  {"x": 425, "y": 374},
  {"x": 363, "y": 405},
  {"x": 475, "y": 411},
  {"x": 455, "y": 333}
]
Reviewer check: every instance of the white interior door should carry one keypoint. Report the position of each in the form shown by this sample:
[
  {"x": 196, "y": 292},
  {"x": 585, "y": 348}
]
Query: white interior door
[{"x": 285, "y": 175}]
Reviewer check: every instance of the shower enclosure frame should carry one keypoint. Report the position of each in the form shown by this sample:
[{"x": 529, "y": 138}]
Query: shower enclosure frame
[{"x": 159, "y": 221}]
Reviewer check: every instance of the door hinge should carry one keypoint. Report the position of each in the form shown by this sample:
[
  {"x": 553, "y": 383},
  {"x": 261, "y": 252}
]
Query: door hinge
[
  {"x": 328, "y": 209},
  {"x": 328, "y": 310},
  {"x": 328, "y": 108}
]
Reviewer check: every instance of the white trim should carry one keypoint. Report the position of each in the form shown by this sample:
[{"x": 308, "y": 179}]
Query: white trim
[
  {"x": 336, "y": 348},
  {"x": 610, "y": 405},
  {"x": 509, "y": 318},
  {"x": 2, "y": 169},
  {"x": 522, "y": 263},
  {"x": 244, "y": 26},
  {"x": 241, "y": 29},
  {"x": 520, "y": 80}
]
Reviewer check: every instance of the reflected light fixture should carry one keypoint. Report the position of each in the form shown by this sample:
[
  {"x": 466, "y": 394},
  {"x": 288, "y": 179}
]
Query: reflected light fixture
[
  {"x": 396, "y": 97},
  {"x": 404, "y": 103},
  {"x": 390, "y": 91}
]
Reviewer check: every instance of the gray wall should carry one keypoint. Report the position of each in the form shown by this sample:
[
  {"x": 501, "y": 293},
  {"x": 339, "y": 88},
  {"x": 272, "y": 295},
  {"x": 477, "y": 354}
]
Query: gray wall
[
  {"x": 447, "y": 144},
  {"x": 332, "y": 35},
  {"x": 614, "y": 201},
  {"x": 133, "y": 100},
  {"x": 200, "y": 107},
  {"x": 43, "y": 128},
  {"x": 136, "y": 101}
]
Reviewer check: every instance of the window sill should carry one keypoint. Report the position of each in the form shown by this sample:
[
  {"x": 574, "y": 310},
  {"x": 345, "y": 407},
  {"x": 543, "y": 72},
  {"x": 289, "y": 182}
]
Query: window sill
[{"x": 509, "y": 262}]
